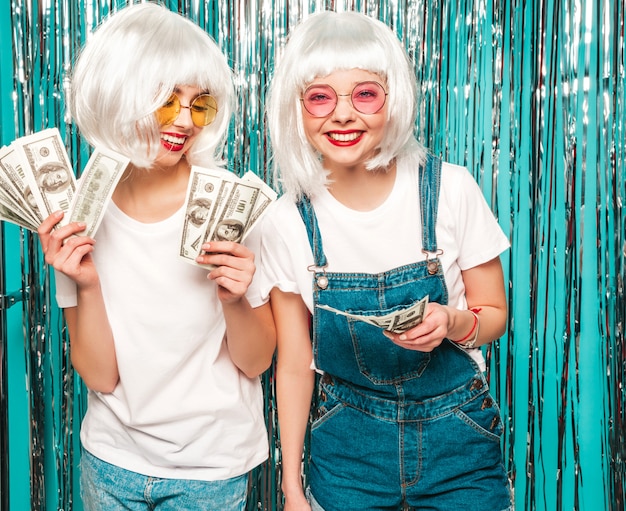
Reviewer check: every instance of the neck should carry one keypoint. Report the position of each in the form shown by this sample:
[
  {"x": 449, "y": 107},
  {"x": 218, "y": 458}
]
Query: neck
[
  {"x": 152, "y": 195},
  {"x": 361, "y": 189}
]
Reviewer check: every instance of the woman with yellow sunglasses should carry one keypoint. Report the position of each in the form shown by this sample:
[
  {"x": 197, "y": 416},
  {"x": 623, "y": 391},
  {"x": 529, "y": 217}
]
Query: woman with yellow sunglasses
[{"x": 171, "y": 359}]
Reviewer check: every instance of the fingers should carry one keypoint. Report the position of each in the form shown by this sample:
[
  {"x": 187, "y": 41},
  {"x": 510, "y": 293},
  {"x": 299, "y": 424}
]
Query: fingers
[
  {"x": 228, "y": 255},
  {"x": 65, "y": 250},
  {"x": 228, "y": 247},
  {"x": 234, "y": 268},
  {"x": 52, "y": 238},
  {"x": 425, "y": 343},
  {"x": 64, "y": 240},
  {"x": 232, "y": 284},
  {"x": 427, "y": 335},
  {"x": 48, "y": 224}
]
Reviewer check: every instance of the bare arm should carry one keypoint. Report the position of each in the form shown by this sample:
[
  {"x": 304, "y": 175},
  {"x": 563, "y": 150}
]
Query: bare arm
[
  {"x": 484, "y": 292},
  {"x": 250, "y": 335},
  {"x": 91, "y": 340},
  {"x": 91, "y": 344},
  {"x": 294, "y": 388}
]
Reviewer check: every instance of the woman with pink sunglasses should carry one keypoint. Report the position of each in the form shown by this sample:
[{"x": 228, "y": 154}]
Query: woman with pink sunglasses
[{"x": 370, "y": 225}]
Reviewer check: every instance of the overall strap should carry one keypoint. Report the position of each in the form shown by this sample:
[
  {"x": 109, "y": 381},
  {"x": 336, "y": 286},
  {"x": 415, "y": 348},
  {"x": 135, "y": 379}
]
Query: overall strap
[
  {"x": 429, "y": 180},
  {"x": 312, "y": 229}
]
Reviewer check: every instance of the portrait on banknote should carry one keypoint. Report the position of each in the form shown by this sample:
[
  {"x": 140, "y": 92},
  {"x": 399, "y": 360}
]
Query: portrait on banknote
[
  {"x": 53, "y": 177},
  {"x": 199, "y": 210},
  {"x": 229, "y": 230}
]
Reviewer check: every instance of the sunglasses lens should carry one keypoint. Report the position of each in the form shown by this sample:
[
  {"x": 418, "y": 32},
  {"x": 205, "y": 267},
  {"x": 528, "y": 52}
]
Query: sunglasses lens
[
  {"x": 169, "y": 111},
  {"x": 368, "y": 97},
  {"x": 203, "y": 110},
  {"x": 319, "y": 100}
]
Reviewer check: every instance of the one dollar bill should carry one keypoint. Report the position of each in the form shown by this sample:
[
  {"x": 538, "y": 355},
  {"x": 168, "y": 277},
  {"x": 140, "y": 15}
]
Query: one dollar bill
[
  {"x": 95, "y": 188},
  {"x": 207, "y": 189},
  {"x": 51, "y": 177}
]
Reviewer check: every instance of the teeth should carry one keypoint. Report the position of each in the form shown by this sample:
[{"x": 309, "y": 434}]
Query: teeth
[
  {"x": 344, "y": 137},
  {"x": 173, "y": 139}
]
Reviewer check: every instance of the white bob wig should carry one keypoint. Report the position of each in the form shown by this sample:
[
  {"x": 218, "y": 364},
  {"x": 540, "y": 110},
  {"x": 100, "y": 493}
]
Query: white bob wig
[
  {"x": 129, "y": 67},
  {"x": 323, "y": 43}
]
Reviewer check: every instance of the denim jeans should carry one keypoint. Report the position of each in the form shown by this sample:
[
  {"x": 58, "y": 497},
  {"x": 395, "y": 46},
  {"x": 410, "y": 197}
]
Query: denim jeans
[
  {"x": 106, "y": 487},
  {"x": 395, "y": 428},
  {"x": 441, "y": 454}
]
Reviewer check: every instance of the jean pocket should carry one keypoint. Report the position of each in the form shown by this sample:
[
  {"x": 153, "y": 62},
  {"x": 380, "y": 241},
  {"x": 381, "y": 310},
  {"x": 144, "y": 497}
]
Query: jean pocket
[
  {"x": 328, "y": 406},
  {"x": 482, "y": 414},
  {"x": 382, "y": 361}
]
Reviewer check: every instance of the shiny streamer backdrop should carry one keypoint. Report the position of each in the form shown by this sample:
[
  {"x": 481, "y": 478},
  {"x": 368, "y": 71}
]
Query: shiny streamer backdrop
[{"x": 529, "y": 95}]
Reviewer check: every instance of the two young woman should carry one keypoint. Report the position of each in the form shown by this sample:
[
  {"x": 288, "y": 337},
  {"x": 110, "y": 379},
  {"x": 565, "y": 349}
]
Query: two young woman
[{"x": 370, "y": 223}]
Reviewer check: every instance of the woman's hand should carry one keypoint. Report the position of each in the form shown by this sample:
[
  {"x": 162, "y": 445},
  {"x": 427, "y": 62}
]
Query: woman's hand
[
  {"x": 484, "y": 293},
  {"x": 429, "y": 334},
  {"x": 234, "y": 268},
  {"x": 68, "y": 252}
]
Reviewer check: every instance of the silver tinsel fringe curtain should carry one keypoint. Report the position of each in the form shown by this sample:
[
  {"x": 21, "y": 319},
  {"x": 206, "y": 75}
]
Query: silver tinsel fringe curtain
[{"x": 529, "y": 95}]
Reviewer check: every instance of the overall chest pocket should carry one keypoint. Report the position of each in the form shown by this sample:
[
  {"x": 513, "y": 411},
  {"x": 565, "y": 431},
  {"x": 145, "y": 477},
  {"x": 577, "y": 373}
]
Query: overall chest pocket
[
  {"x": 379, "y": 359},
  {"x": 347, "y": 347}
]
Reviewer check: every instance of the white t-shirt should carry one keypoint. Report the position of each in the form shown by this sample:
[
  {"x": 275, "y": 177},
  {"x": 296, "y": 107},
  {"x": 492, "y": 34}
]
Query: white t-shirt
[
  {"x": 181, "y": 409},
  {"x": 384, "y": 238}
]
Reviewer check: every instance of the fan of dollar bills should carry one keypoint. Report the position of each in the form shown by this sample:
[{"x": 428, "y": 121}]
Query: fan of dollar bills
[
  {"x": 37, "y": 179},
  {"x": 221, "y": 206}
]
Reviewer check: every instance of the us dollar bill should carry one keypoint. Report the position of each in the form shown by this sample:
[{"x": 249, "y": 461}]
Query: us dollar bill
[
  {"x": 95, "y": 188},
  {"x": 9, "y": 215},
  {"x": 51, "y": 180},
  {"x": 11, "y": 203},
  {"x": 232, "y": 221},
  {"x": 220, "y": 207},
  {"x": 206, "y": 191},
  {"x": 397, "y": 322},
  {"x": 37, "y": 179},
  {"x": 265, "y": 197},
  {"x": 18, "y": 182},
  {"x": 10, "y": 195}
]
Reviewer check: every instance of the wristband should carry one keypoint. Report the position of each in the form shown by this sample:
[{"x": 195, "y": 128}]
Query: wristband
[{"x": 466, "y": 342}]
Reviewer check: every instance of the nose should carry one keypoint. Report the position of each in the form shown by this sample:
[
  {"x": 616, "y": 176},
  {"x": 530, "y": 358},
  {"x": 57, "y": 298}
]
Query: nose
[
  {"x": 344, "y": 110},
  {"x": 184, "y": 116}
]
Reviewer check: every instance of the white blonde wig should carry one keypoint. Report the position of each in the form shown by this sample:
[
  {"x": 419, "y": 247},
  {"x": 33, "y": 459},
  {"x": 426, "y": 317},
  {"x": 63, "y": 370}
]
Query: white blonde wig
[
  {"x": 129, "y": 67},
  {"x": 326, "y": 42}
]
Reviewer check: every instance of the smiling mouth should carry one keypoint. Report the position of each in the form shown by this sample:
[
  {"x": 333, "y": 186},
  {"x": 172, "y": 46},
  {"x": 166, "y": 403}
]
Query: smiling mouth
[
  {"x": 344, "y": 137},
  {"x": 172, "y": 139}
]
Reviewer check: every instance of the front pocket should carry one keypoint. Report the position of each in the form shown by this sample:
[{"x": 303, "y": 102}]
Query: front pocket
[
  {"x": 382, "y": 361},
  {"x": 327, "y": 407},
  {"x": 483, "y": 416}
]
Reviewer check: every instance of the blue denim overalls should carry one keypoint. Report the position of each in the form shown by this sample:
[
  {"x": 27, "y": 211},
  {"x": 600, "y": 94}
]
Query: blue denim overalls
[{"x": 397, "y": 428}]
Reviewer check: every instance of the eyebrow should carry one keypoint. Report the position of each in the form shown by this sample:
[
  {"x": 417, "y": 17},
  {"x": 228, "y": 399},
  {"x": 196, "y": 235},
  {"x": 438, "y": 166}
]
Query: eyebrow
[{"x": 177, "y": 89}]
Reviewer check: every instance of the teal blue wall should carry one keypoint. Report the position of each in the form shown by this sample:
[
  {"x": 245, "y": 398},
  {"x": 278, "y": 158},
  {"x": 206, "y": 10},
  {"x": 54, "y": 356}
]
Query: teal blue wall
[{"x": 529, "y": 95}]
